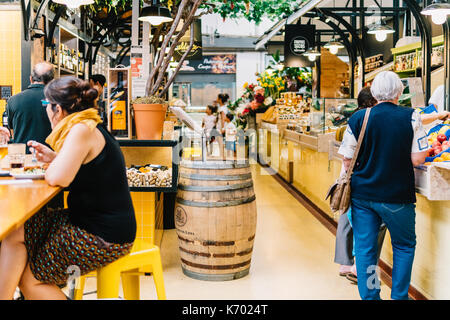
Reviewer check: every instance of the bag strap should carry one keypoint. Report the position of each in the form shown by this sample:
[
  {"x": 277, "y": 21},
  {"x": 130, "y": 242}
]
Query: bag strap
[{"x": 358, "y": 145}]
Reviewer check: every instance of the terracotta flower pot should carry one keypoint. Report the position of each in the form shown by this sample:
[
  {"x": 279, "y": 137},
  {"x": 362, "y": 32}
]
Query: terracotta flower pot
[{"x": 149, "y": 120}]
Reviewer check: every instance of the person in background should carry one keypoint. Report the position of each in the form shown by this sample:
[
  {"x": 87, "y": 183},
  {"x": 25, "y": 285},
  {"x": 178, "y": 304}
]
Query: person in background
[
  {"x": 27, "y": 117},
  {"x": 230, "y": 135},
  {"x": 437, "y": 98},
  {"x": 209, "y": 122},
  {"x": 222, "y": 100},
  {"x": 344, "y": 250},
  {"x": 383, "y": 186},
  {"x": 97, "y": 82},
  {"x": 99, "y": 225}
]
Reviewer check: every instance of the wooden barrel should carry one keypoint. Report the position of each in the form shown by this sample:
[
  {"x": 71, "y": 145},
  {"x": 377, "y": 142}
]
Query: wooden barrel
[{"x": 215, "y": 218}]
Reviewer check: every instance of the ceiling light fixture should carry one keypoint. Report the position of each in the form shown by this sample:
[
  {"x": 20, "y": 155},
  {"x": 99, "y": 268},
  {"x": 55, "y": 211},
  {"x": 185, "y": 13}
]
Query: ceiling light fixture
[
  {"x": 438, "y": 11},
  {"x": 334, "y": 46},
  {"x": 380, "y": 30},
  {"x": 73, "y": 4},
  {"x": 312, "y": 54},
  {"x": 155, "y": 14}
]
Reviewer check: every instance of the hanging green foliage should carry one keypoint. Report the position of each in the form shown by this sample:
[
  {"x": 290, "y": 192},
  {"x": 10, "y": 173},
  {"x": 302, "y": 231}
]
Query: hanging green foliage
[
  {"x": 255, "y": 10},
  {"x": 252, "y": 10}
]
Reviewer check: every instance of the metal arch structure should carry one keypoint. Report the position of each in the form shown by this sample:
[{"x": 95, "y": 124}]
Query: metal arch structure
[
  {"x": 351, "y": 49},
  {"x": 425, "y": 33},
  {"x": 26, "y": 12},
  {"x": 124, "y": 53},
  {"x": 446, "y": 30},
  {"x": 34, "y": 24},
  {"x": 356, "y": 41},
  {"x": 52, "y": 29}
]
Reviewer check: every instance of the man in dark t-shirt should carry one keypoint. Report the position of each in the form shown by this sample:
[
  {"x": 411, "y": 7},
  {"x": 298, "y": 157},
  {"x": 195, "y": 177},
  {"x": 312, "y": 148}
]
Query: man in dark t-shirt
[{"x": 26, "y": 115}]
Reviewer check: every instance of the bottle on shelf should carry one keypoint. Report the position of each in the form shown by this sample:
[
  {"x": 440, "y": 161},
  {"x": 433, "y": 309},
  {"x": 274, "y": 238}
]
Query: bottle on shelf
[
  {"x": 74, "y": 61},
  {"x": 119, "y": 108},
  {"x": 61, "y": 55},
  {"x": 5, "y": 119}
]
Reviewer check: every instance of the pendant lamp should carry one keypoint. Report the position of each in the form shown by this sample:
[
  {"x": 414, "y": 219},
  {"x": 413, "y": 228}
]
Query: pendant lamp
[
  {"x": 73, "y": 4},
  {"x": 334, "y": 46},
  {"x": 380, "y": 30},
  {"x": 438, "y": 11},
  {"x": 312, "y": 54},
  {"x": 155, "y": 14}
]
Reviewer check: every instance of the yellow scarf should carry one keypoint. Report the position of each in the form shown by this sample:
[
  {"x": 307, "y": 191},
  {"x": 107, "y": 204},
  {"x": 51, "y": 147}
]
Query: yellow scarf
[{"x": 89, "y": 117}]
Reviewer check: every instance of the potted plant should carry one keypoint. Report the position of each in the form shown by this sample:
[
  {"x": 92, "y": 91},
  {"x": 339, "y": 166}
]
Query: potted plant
[{"x": 149, "y": 115}]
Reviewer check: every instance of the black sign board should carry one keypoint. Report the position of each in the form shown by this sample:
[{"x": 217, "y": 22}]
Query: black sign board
[
  {"x": 196, "y": 52},
  {"x": 6, "y": 92},
  {"x": 297, "y": 40}
]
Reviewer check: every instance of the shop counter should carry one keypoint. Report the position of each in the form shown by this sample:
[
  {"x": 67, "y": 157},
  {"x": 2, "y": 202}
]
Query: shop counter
[
  {"x": 313, "y": 172},
  {"x": 20, "y": 200},
  {"x": 319, "y": 142}
]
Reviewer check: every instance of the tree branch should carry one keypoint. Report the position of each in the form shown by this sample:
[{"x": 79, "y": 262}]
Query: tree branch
[
  {"x": 164, "y": 45},
  {"x": 162, "y": 69},
  {"x": 172, "y": 77}
]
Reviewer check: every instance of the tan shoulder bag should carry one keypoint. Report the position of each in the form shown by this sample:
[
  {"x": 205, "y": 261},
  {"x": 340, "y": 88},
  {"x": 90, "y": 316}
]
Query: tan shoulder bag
[{"x": 340, "y": 192}]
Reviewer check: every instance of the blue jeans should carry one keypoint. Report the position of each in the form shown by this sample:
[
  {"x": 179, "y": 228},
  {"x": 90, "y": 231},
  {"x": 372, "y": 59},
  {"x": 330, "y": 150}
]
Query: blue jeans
[
  {"x": 230, "y": 145},
  {"x": 400, "y": 221}
]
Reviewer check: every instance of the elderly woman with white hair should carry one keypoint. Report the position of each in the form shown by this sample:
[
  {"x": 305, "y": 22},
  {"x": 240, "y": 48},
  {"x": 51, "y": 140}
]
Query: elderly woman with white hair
[{"x": 382, "y": 183}]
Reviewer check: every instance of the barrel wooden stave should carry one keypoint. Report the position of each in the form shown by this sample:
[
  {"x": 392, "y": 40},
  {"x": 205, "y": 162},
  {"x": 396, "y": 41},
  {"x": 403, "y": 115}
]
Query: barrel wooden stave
[{"x": 216, "y": 243}]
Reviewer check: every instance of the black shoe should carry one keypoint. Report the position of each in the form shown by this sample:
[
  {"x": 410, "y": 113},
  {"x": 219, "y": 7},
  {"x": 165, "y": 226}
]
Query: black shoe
[{"x": 352, "y": 277}]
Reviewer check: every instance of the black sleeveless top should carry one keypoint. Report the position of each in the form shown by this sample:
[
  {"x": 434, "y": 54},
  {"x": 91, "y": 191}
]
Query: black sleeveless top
[{"x": 99, "y": 197}]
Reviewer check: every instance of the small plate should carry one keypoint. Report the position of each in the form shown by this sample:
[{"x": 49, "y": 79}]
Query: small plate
[
  {"x": 4, "y": 173},
  {"x": 28, "y": 176}
]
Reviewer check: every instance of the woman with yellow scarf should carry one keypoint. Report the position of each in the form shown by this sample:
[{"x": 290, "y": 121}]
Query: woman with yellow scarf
[{"x": 99, "y": 225}]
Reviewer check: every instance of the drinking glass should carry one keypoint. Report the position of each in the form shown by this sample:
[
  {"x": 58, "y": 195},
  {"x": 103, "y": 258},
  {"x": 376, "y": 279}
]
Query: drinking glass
[
  {"x": 16, "y": 154},
  {"x": 3, "y": 147}
]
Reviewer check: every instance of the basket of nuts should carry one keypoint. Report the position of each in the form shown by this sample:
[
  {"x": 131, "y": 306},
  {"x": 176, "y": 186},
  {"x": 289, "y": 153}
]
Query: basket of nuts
[{"x": 149, "y": 176}]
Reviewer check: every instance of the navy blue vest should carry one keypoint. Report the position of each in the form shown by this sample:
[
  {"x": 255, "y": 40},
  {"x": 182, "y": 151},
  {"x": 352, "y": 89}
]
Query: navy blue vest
[{"x": 384, "y": 171}]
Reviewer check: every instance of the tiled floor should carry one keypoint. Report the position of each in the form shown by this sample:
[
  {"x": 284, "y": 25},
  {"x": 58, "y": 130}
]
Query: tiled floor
[{"x": 292, "y": 259}]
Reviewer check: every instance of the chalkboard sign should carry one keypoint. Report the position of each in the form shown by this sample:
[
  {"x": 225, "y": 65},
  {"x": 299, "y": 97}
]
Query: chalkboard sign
[{"x": 6, "y": 92}]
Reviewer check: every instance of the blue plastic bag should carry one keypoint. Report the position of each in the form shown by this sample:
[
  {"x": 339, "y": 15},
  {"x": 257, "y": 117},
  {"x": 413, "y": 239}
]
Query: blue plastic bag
[{"x": 428, "y": 109}]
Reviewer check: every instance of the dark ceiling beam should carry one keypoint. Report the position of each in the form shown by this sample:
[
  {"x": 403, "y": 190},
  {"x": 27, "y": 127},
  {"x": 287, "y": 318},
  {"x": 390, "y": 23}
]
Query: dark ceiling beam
[
  {"x": 357, "y": 9},
  {"x": 351, "y": 50},
  {"x": 26, "y": 11},
  {"x": 35, "y": 23}
]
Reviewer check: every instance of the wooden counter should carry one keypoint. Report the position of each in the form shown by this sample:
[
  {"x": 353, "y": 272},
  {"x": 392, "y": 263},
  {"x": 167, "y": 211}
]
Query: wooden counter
[
  {"x": 312, "y": 174},
  {"x": 19, "y": 202}
]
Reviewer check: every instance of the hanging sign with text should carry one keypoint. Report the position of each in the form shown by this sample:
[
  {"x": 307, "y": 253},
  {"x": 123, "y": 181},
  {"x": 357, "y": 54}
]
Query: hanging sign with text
[
  {"x": 297, "y": 40},
  {"x": 217, "y": 64},
  {"x": 196, "y": 52}
]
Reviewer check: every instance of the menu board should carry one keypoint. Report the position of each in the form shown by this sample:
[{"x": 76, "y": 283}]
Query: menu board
[{"x": 6, "y": 92}]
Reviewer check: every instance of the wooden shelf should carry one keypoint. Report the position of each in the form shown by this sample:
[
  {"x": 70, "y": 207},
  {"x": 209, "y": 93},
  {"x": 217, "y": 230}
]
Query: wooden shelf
[
  {"x": 147, "y": 143},
  {"x": 174, "y": 158},
  {"x": 67, "y": 71},
  {"x": 154, "y": 189},
  {"x": 406, "y": 71},
  {"x": 439, "y": 40}
]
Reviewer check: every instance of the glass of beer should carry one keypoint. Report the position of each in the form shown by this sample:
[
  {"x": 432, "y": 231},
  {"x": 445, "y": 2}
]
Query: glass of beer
[
  {"x": 3, "y": 147},
  {"x": 16, "y": 154}
]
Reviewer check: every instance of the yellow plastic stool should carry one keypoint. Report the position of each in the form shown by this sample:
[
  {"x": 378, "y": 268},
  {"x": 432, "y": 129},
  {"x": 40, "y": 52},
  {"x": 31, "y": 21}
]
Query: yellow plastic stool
[{"x": 144, "y": 258}]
